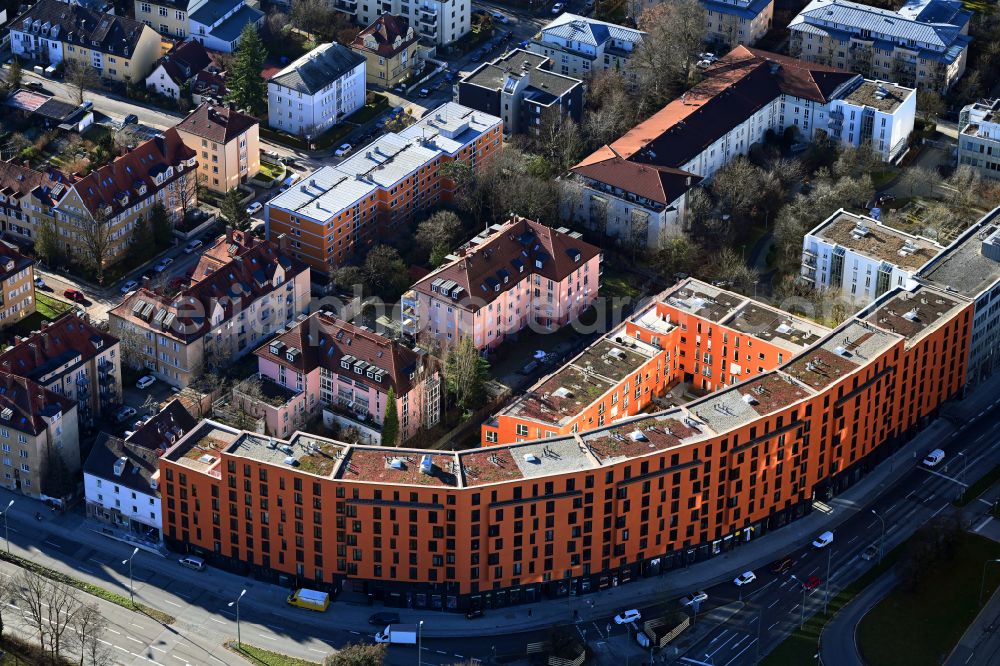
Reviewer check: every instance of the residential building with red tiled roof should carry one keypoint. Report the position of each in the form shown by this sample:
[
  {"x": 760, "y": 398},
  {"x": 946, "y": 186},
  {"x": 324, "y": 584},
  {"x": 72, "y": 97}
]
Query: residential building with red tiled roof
[
  {"x": 24, "y": 189},
  {"x": 513, "y": 276},
  {"x": 178, "y": 66},
  {"x": 160, "y": 170},
  {"x": 346, "y": 371},
  {"x": 17, "y": 285},
  {"x": 37, "y": 426},
  {"x": 390, "y": 46},
  {"x": 634, "y": 189},
  {"x": 227, "y": 143},
  {"x": 230, "y": 308},
  {"x": 73, "y": 358}
]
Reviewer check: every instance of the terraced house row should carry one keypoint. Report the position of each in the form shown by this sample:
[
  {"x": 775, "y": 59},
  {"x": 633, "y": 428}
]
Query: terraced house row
[{"x": 792, "y": 412}]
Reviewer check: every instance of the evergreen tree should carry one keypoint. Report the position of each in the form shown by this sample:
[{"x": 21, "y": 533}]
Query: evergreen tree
[
  {"x": 47, "y": 243},
  {"x": 233, "y": 211},
  {"x": 143, "y": 242},
  {"x": 390, "y": 424},
  {"x": 247, "y": 89},
  {"x": 14, "y": 75},
  {"x": 161, "y": 226}
]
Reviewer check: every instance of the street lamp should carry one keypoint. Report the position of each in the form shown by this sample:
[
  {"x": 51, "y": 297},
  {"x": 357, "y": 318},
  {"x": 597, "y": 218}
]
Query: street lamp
[
  {"x": 239, "y": 642},
  {"x": 131, "y": 585},
  {"x": 982, "y": 585},
  {"x": 420, "y": 631},
  {"x": 881, "y": 541},
  {"x": 802, "y": 611},
  {"x": 6, "y": 534},
  {"x": 965, "y": 465}
]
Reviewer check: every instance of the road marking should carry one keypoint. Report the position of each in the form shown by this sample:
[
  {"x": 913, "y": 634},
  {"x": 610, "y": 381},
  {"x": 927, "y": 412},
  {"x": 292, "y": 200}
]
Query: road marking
[
  {"x": 773, "y": 603},
  {"x": 724, "y": 643},
  {"x": 943, "y": 507},
  {"x": 91, "y": 559},
  {"x": 136, "y": 640},
  {"x": 138, "y": 626},
  {"x": 356, "y": 633},
  {"x": 983, "y": 524},
  {"x": 909, "y": 493},
  {"x": 813, "y": 571},
  {"x": 215, "y": 619},
  {"x": 268, "y": 637},
  {"x": 794, "y": 608},
  {"x": 179, "y": 658},
  {"x": 83, "y": 568},
  {"x": 54, "y": 545},
  {"x": 159, "y": 649},
  {"x": 738, "y": 654},
  {"x": 853, "y": 540},
  {"x": 723, "y": 633},
  {"x": 114, "y": 631},
  {"x": 891, "y": 528},
  {"x": 774, "y": 625},
  {"x": 172, "y": 603},
  {"x": 689, "y": 660},
  {"x": 891, "y": 507},
  {"x": 317, "y": 651},
  {"x": 440, "y": 651}
]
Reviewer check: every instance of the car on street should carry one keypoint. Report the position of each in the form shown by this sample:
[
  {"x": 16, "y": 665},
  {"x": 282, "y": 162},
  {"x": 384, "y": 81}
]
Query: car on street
[
  {"x": 74, "y": 295},
  {"x": 499, "y": 17},
  {"x": 344, "y": 149},
  {"x": 130, "y": 119},
  {"x": 37, "y": 85},
  {"x": 253, "y": 208},
  {"x": 39, "y": 283},
  {"x": 145, "y": 382},
  {"x": 270, "y": 153},
  {"x": 194, "y": 245},
  {"x": 163, "y": 264},
  {"x": 812, "y": 583},
  {"x": 934, "y": 458},
  {"x": 129, "y": 285},
  {"x": 782, "y": 565},
  {"x": 628, "y": 616},
  {"x": 474, "y": 613},
  {"x": 694, "y": 598},
  {"x": 383, "y": 619},
  {"x": 558, "y": 8},
  {"x": 400, "y": 89},
  {"x": 870, "y": 553},
  {"x": 124, "y": 414},
  {"x": 745, "y": 578},
  {"x": 423, "y": 92},
  {"x": 823, "y": 540}
]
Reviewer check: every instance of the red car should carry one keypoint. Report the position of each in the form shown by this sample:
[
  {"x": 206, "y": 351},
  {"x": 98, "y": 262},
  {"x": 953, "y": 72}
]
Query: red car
[
  {"x": 74, "y": 295},
  {"x": 812, "y": 583}
]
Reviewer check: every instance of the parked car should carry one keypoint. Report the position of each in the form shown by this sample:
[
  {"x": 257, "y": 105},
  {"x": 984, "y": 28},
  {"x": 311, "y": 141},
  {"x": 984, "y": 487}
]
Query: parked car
[
  {"x": 694, "y": 598},
  {"x": 499, "y": 17},
  {"x": 129, "y": 285},
  {"x": 39, "y": 283},
  {"x": 194, "y": 245},
  {"x": 145, "y": 382},
  {"x": 473, "y": 613},
  {"x": 812, "y": 583},
  {"x": 870, "y": 553},
  {"x": 143, "y": 420},
  {"x": 558, "y": 8},
  {"x": 163, "y": 264},
  {"x": 703, "y": 64},
  {"x": 708, "y": 56},
  {"x": 384, "y": 618},
  {"x": 423, "y": 92},
  {"x": 344, "y": 149},
  {"x": 130, "y": 119},
  {"x": 628, "y": 616},
  {"x": 823, "y": 540},
  {"x": 37, "y": 85},
  {"x": 74, "y": 295},
  {"x": 400, "y": 89},
  {"x": 124, "y": 414},
  {"x": 745, "y": 578},
  {"x": 782, "y": 565}
]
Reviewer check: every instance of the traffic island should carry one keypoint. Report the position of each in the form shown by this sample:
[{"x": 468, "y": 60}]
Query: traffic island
[{"x": 258, "y": 655}]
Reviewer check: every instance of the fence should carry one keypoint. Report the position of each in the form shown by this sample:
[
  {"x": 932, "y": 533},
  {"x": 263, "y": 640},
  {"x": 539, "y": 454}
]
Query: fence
[{"x": 654, "y": 627}]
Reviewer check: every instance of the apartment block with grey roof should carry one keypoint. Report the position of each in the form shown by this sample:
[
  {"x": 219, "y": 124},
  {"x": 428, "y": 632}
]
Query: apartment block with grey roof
[
  {"x": 979, "y": 137},
  {"x": 580, "y": 46},
  {"x": 520, "y": 88},
  {"x": 923, "y": 45}
]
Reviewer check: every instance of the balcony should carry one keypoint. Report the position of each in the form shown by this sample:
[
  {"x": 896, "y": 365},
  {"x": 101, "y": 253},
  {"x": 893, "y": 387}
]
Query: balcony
[{"x": 809, "y": 274}]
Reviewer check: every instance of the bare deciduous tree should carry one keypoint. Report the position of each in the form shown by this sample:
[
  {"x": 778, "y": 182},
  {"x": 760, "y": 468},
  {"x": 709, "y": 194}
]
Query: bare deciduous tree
[
  {"x": 80, "y": 76},
  {"x": 675, "y": 32},
  {"x": 89, "y": 626},
  {"x": 96, "y": 235}
]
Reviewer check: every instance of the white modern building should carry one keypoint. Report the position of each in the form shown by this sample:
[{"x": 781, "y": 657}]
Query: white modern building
[
  {"x": 439, "y": 22},
  {"x": 217, "y": 24},
  {"x": 979, "y": 137},
  {"x": 970, "y": 267},
  {"x": 579, "y": 46},
  {"x": 316, "y": 91},
  {"x": 121, "y": 485},
  {"x": 634, "y": 189},
  {"x": 861, "y": 257}
]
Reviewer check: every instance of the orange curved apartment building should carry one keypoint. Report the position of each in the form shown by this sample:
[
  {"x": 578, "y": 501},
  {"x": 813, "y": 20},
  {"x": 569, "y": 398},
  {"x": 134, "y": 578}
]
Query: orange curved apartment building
[{"x": 511, "y": 523}]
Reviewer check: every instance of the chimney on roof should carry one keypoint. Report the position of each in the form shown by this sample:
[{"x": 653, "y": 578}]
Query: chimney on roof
[{"x": 229, "y": 234}]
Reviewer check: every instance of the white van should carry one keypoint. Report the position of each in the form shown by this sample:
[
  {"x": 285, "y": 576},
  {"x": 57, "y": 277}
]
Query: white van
[
  {"x": 192, "y": 562},
  {"x": 934, "y": 458},
  {"x": 823, "y": 540}
]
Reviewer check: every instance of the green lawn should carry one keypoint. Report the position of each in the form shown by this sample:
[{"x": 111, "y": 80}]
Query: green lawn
[
  {"x": 618, "y": 284},
  {"x": 913, "y": 628},
  {"x": 256, "y": 655},
  {"x": 270, "y": 171},
  {"x": 49, "y": 306}
]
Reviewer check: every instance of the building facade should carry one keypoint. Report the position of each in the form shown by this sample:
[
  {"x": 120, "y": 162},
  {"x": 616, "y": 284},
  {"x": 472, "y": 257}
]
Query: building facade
[
  {"x": 167, "y": 17},
  {"x": 514, "y": 276},
  {"x": 861, "y": 257},
  {"x": 390, "y": 47},
  {"x": 317, "y": 91},
  {"x": 732, "y": 23},
  {"x": 924, "y": 45},
  {"x": 979, "y": 138},
  {"x": 579, "y": 46},
  {"x": 509, "y": 524},
  {"x": 38, "y": 433},
  {"x": 439, "y": 22},
  {"x": 520, "y": 88},
  {"x": 337, "y": 211},
  {"x": 121, "y": 486},
  {"x": 178, "y": 67},
  {"x": 227, "y": 143},
  {"x": 346, "y": 373},
  {"x": 242, "y": 291},
  {"x": 634, "y": 189},
  {"x": 17, "y": 286},
  {"x": 117, "y": 48},
  {"x": 27, "y": 198},
  {"x": 74, "y": 359},
  {"x": 217, "y": 24}
]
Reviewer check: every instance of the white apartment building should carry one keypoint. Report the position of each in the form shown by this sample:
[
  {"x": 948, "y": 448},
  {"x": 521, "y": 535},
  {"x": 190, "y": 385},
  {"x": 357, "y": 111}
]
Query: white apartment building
[
  {"x": 862, "y": 258},
  {"x": 439, "y": 22},
  {"x": 578, "y": 46},
  {"x": 121, "y": 485},
  {"x": 318, "y": 90},
  {"x": 634, "y": 189},
  {"x": 979, "y": 137}
]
